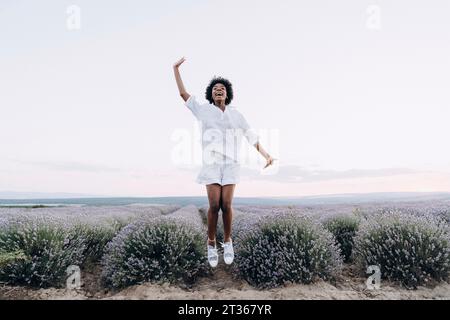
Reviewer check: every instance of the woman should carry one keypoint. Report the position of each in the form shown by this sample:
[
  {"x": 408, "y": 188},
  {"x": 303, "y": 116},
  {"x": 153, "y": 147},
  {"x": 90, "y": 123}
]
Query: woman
[{"x": 222, "y": 126}]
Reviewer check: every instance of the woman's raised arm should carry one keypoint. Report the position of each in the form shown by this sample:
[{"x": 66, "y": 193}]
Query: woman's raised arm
[{"x": 180, "y": 84}]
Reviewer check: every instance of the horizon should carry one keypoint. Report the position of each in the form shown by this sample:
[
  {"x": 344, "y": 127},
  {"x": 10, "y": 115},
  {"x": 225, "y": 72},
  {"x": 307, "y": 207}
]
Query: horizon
[
  {"x": 60, "y": 195},
  {"x": 202, "y": 201}
]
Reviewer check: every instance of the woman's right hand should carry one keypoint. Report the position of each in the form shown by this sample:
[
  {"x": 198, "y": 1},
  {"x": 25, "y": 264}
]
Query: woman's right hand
[{"x": 179, "y": 62}]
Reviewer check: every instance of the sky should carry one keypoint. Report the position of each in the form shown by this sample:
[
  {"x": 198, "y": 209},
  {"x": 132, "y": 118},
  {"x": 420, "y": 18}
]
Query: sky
[{"x": 350, "y": 96}]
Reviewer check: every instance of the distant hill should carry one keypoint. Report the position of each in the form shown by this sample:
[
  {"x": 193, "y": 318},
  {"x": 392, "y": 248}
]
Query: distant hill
[
  {"x": 369, "y": 197},
  {"x": 351, "y": 198},
  {"x": 42, "y": 195}
]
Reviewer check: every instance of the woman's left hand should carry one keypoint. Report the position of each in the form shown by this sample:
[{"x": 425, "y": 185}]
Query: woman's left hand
[{"x": 270, "y": 161}]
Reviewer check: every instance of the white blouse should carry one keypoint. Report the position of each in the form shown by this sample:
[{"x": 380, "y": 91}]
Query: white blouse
[{"x": 222, "y": 131}]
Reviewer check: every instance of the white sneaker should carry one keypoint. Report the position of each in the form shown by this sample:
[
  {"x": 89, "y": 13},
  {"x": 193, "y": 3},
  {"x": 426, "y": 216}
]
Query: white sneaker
[
  {"x": 228, "y": 252},
  {"x": 213, "y": 256}
]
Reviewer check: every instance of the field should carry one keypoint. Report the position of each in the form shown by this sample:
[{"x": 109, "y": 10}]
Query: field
[{"x": 282, "y": 252}]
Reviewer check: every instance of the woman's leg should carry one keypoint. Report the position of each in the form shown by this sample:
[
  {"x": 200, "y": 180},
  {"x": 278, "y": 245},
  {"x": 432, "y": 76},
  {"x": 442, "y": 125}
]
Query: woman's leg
[
  {"x": 227, "y": 210},
  {"x": 214, "y": 193}
]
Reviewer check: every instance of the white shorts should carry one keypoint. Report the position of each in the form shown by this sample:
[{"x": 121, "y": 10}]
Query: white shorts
[{"x": 222, "y": 173}]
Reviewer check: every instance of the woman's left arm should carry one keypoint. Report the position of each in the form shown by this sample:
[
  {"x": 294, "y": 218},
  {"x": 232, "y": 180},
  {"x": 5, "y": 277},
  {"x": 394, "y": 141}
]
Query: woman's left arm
[
  {"x": 264, "y": 153},
  {"x": 253, "y": 139}
]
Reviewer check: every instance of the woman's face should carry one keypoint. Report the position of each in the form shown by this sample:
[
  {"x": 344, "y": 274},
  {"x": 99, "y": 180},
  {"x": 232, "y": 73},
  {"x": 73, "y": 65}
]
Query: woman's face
[{"x": 219, "y": 93}]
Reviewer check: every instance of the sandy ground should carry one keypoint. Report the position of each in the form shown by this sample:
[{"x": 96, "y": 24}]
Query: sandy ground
[{"x": 222, "y": 285}]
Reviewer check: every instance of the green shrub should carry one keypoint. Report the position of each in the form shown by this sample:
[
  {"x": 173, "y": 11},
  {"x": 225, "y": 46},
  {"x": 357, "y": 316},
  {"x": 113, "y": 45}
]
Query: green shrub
[{"x": 11, "y": 257}]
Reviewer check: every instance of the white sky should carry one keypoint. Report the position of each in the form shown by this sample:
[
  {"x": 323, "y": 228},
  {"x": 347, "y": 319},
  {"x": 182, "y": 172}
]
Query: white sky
[{"x": 356, "y": 109}]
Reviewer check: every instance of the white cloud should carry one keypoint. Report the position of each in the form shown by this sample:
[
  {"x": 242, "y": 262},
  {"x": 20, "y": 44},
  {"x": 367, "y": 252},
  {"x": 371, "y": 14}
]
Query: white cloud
[{"x": 298, "y": 174}]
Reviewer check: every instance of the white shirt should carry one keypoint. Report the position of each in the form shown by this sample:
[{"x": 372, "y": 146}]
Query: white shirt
[{"x": 222, "y": 131}]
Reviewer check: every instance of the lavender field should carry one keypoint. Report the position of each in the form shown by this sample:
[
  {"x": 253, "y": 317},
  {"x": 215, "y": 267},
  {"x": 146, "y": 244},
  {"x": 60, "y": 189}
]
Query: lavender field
[{"x": 282, "y": 252}]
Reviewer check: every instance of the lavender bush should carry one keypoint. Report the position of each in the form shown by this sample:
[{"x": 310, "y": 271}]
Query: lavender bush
[
  {"x": 343, "y": 228},
  {"x": 287, "y": 249},
  {"x": 243, "y": 222},
  {"x": 37, "y": 252},
  {"x": 95, "y": 237},
  {"x": 100, "y": 225},
  {"x": 160, "y": 249},
  {"x": 408, "y": 248},
  {"x": 37, "y": 244}
]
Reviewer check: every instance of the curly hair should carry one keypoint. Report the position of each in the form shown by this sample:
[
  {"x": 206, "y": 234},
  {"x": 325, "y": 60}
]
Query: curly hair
[{"x": 228, "y": 87}]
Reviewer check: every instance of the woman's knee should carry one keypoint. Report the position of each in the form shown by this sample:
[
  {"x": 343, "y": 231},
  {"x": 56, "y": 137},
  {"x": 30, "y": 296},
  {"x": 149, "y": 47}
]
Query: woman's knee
[
  {"x": 226, "y": 206},
  {"x": 214, "y": 206}
]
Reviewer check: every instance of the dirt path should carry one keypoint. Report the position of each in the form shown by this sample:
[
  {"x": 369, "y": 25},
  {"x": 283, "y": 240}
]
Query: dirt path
[{"x": 222, "y": 285}]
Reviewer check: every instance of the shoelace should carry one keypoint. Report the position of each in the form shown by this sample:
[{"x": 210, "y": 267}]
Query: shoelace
[
  {"x": 212, "y": 253},
  {"x": 226, "y": 245}
]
